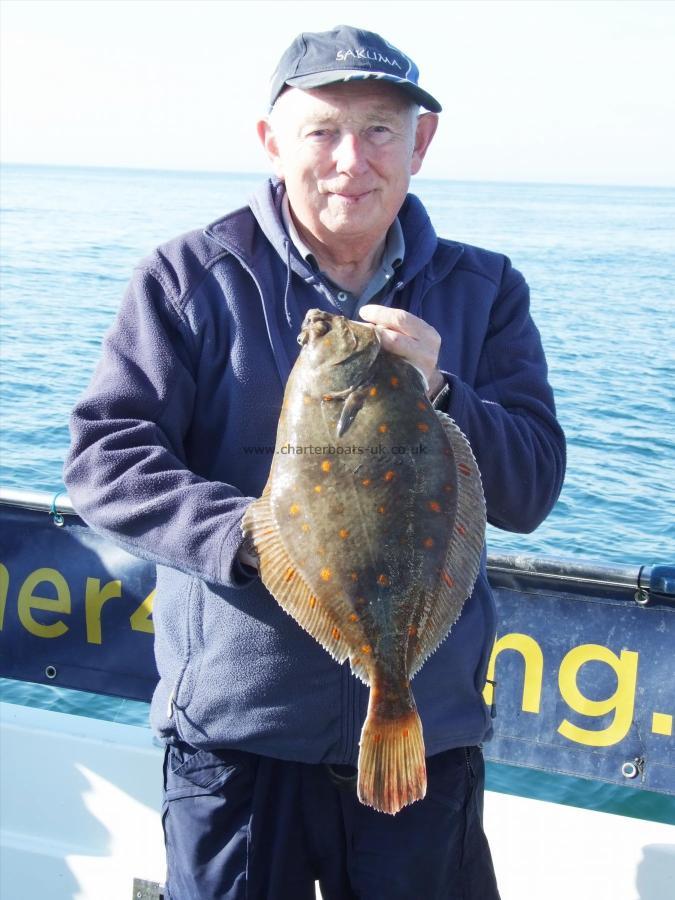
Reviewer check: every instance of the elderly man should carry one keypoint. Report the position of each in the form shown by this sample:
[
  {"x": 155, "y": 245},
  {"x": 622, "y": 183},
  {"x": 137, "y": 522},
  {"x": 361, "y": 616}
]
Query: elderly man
[{"x": 168, "y": 451}]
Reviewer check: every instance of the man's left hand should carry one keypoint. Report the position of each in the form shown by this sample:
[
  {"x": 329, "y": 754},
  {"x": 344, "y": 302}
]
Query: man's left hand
[{"x": 409, "y": 337}]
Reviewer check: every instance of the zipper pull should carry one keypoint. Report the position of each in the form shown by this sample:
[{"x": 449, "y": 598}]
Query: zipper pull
[{"x": 169, "y": 706}]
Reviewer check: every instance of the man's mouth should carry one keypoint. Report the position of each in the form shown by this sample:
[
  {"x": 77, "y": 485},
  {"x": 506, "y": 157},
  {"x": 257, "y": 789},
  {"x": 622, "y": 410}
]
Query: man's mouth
[{"x": 351, "y": 196}]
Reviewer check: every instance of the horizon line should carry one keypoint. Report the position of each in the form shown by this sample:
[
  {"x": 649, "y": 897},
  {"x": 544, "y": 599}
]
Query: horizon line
[{"x": 266, "y": 174}]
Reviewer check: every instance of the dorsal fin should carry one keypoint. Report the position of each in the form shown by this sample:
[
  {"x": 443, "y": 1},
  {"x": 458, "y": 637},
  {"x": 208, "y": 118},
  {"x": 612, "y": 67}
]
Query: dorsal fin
[{"x": 462, "y": 563}]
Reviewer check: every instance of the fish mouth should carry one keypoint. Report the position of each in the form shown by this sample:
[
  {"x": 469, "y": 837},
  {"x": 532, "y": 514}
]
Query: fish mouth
[{"x": 316, "y": 324}]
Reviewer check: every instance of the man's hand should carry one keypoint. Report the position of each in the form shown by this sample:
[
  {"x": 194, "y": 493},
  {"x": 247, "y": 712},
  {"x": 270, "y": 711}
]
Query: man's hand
[
  {"x": 409, "y": 337},
  {"x": 247, "y": 554}
]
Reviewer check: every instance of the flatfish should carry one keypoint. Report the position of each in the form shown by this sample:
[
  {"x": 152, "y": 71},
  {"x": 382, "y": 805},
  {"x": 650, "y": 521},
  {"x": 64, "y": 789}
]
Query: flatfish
[{"x": 369, "y": 532}]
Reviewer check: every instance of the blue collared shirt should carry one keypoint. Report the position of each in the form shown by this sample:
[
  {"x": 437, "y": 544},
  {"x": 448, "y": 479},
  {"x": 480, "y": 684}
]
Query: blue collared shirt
[{"x": 347, "y": 302}]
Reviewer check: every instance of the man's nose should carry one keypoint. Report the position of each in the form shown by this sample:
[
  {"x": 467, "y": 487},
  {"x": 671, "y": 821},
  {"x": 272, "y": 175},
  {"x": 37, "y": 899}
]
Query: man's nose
[{"x": 350, "y": 155}]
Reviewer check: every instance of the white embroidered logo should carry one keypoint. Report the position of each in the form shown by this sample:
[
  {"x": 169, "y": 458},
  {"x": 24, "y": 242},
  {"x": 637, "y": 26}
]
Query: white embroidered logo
[{"x": 370, "y": 55}]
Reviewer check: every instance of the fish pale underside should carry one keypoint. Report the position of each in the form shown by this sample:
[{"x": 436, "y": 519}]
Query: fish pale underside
[{"x": 372, "y": 539}]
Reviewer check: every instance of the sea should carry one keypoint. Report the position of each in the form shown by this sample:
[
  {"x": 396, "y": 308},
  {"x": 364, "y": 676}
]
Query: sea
[{"x": 600, "y": 263}]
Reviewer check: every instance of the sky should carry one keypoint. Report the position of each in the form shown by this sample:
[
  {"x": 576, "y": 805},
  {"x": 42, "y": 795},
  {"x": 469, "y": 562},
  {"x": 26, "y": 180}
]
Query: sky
[{"x": 533, "y": 90}]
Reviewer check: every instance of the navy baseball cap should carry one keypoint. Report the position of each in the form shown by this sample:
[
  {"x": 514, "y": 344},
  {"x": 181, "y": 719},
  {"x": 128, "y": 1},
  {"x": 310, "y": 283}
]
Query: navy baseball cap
[{"x": 315, "y": 59}]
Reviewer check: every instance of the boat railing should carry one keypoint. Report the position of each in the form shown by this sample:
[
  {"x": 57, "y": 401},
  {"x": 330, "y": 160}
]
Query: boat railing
[{"x": 643, "y": 584}]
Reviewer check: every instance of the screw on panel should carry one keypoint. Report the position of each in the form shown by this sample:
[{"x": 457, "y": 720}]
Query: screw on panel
[
  {"x": 642, "y": 597},
  {"x": 50, "y": 671},
  {"x": 632, "y": 768}
]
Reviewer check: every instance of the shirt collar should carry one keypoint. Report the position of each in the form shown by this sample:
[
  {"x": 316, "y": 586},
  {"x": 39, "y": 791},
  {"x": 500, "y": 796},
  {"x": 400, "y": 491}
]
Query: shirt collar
[{"x": 394, "y": 246}]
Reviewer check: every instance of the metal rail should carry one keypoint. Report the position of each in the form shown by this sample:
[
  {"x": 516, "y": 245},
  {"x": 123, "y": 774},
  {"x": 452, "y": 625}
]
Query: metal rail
[{"x": 645, "y": 585}]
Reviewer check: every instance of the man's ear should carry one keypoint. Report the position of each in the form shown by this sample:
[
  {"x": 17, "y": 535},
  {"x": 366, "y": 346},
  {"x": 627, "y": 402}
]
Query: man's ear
[
  {"x": 269, "y": 141},
  {"x": 427, "y": 124}
]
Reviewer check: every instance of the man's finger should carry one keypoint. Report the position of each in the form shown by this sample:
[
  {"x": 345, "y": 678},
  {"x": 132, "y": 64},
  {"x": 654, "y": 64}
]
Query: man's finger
[{"x": 396, "y": 320}]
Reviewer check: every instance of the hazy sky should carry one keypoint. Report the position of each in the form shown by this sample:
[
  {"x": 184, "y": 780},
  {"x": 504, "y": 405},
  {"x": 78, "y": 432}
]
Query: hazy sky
[{"x": 532, "y": 91}]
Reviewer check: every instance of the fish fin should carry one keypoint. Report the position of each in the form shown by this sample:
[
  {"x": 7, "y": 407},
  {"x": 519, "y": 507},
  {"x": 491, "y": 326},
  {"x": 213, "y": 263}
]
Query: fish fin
[
  {"x": 462, "y": 562},
  {"x": 392, "y": 770},
  {"x": 359, "y": 667},
  {"x": 352, "y": 405},
  {"x": 284, "y": 580}
]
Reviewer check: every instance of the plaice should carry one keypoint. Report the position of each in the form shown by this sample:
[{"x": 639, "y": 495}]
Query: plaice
[{"x": 369, "y": 532}]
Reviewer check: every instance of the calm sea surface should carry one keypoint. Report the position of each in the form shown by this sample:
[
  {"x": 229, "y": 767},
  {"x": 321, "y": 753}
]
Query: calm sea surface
[{"x": 600, "y": 262}]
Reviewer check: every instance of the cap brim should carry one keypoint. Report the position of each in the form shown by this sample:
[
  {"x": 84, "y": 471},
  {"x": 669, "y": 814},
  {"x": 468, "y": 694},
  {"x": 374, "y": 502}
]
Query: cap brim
[{"x": 321, "y": 79}]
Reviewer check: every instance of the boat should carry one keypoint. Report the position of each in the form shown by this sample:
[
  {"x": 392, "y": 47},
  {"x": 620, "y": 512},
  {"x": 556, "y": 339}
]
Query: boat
[{"x": 580, "y": 685}]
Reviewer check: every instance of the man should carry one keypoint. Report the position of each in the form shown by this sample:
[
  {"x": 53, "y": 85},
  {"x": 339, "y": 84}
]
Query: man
[{"x": 261, "y": 725}]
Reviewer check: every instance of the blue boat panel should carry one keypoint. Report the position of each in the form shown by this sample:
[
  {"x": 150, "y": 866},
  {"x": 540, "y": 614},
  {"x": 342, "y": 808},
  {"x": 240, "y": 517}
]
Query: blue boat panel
[{"x": 580, "y": 678}]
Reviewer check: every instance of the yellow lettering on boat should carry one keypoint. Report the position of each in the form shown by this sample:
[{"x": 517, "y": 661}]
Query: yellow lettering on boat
[
  {"x": 28, "y": 601},
  {"x": 533, "y": 675},
  {"x": 4, "y": 590},
  {"x": 662, "y": 723},
  {"x": 141, "y": 617},
  {"x": 94, "y": 598},
  {"x": 621, "y": 702}
]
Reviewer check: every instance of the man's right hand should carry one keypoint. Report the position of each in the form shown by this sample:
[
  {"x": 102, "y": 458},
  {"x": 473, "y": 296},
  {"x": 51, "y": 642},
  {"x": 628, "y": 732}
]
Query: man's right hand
[{"x": 247, "y": 554}]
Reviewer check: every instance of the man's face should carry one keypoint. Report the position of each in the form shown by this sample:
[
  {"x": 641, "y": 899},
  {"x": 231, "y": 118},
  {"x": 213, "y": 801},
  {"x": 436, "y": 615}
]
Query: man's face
[{"x": 346, "y": 153}]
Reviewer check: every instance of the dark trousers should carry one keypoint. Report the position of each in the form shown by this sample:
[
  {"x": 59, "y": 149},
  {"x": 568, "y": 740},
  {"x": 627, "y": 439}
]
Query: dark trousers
[{"x": 243, "y": 827}]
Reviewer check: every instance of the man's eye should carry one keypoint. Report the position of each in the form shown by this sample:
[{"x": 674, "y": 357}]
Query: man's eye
[{"x": 379, "y": 133}]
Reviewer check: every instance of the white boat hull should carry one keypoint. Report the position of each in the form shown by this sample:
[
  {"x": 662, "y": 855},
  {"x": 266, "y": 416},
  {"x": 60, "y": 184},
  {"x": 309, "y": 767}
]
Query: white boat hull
[{"x": 81, "y": 804}]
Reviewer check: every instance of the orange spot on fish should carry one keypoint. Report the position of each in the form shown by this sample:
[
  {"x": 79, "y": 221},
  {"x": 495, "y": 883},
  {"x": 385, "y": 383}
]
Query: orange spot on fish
[
  {"x": 390, "y": 475},
  {"x": 428, "y": 542},
  {"x": 382, "y": 580},
  {"x": 373, "y": 392},
  {"x": 434, "y": 506},
  {"x": 394, "y": 382},
  {"x": 421, "y": 405},
  {"x": 377, "y": 738},
  {"x": 356, "y": 660},
  {"x": 353, "y": 617},
  {"x": 381, "y": 510},
  {"x": 325, "y": 574},
  {"x": 405, "y": 732},
  {"x": 312, "y": 601},
  {"x": 464, "y": 469},
  {"x": 344, "y": 533},
  {"x": 354, "y": 576},
  {"x": 289, "y": 574},
  {"x": 422, "y": 426},
  {"x": 305, "y": 527},
  {"x": 294, "y": 509},
  {"x": 460, "y": 529},
  {"x": 317, "y": 488},
  {"x": 327, "y": 397},
  {"x": 447, "y": 579},
  {"x": 365, "y": 482},
  {"x": 412, "y": 630},
  {"x": 336, "y": 634},
  {"x": 383, "y": 428},
  {"x": 268, "y": 531},
  {"x": 447, "y": 488},
  {"x": 326, "y": 465},
  {"x": 367, "y": 648}
]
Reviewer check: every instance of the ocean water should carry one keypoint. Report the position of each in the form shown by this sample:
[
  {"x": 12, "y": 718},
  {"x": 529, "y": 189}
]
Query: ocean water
[{"x": 600, "y": 262}]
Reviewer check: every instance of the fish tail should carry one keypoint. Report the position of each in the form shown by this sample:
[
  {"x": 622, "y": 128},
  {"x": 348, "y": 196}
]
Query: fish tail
[{"x": 392, "y": 770}]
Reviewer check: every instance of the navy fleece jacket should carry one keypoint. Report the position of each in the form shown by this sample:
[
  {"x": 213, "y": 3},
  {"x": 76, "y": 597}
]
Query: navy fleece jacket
[{"x": 172, "y": 440}]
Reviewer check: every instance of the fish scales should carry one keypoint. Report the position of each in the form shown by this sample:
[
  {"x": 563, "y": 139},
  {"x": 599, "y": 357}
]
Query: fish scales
[{"x": 369, "y": 531}]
